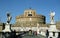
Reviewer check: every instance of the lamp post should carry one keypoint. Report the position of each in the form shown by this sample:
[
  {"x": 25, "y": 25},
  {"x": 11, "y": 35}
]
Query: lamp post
[{"x": 37, "y": 28}]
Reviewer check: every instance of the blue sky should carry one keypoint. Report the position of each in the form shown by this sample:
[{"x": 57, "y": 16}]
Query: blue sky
[{"x": 17, "y": 7}]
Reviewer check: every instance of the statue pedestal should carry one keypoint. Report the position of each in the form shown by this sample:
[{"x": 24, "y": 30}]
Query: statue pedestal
[
  {"x": 52, "y": 28},
  {"x": 7, "y": 28},
  {"x": 53, "y": 32}
]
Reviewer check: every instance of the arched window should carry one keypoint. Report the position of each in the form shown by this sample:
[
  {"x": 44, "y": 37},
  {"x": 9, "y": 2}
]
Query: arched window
[{"x": 29, "y": 14}]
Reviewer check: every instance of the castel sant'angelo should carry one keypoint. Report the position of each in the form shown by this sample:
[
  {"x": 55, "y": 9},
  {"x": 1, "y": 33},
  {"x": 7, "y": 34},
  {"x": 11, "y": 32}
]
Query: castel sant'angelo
[{"x": 30, "y": 20}]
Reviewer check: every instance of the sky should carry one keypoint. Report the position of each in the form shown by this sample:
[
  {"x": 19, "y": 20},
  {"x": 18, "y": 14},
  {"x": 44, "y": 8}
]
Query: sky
[{"x": 17, "y": 7}]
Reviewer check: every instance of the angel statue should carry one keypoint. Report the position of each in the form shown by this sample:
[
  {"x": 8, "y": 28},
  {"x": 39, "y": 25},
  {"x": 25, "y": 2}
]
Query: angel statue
[
  {"x": 8, "y": 18},
  {"x": 52, "y": 14}
]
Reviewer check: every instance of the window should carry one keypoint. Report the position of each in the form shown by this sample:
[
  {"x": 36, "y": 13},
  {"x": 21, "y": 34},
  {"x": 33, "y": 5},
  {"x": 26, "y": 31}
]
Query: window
[{"x": 29, "y": 14}]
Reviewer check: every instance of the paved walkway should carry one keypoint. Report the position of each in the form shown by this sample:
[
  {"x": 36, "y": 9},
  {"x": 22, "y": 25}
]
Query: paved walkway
[
  {"x": 34, "y": 36},
  {"x": 27, "y": 36}
]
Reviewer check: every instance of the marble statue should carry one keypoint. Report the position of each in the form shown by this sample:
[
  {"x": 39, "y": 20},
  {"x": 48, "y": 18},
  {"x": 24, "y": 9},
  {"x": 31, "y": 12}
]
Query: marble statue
[
  {"x": 7, "y": 25},
  {"x": 53, "y": 31},
  {"x": 52, "y": 14}
]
